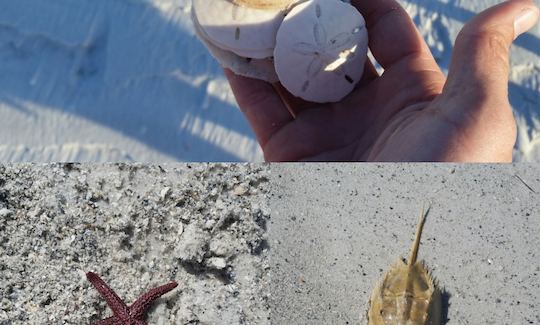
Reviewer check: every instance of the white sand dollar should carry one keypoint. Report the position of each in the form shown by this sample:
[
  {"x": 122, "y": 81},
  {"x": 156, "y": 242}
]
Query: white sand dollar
[
  {"x": 321, "y": 50},
  {"x": 240, "y": 29},
  {"x": 262, "y": 69}
]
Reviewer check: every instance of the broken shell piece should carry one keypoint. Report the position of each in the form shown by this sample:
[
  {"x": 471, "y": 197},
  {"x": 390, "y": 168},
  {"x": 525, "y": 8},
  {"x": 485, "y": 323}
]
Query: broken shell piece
[
  {"x": 262, "y": 69},
  {"x": 265, "y": 4},
  {"x": 321, "y": 50},
  {"x": 243, "y": 30}
]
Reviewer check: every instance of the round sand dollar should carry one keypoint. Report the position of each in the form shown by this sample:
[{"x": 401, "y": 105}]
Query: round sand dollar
[
  {"x": 262, "y": 69},
  {"x": 321, "y": 50},
  {"x": 240, "y": 29}
]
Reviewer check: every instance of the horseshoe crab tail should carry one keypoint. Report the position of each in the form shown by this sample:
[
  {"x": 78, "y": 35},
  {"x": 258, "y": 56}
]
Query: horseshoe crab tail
[{"x": 416, "y": 243}]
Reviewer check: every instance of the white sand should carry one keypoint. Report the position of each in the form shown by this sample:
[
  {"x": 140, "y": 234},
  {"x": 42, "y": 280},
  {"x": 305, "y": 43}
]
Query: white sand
[
  {"x": 138, "y": 227},
  {"x": 331, "y": 245},
  {"x": 102, "y": 80}
]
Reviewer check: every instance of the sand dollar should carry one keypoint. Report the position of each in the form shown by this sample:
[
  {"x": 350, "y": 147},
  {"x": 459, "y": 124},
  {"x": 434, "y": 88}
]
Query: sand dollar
[
  {"x": 321, "y": 50},
  {"x": 239, "y": 29},
  {"x": 262, "y": 69}
]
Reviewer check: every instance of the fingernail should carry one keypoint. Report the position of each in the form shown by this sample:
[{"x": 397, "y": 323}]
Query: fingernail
[{"x": 525, "y": 20}]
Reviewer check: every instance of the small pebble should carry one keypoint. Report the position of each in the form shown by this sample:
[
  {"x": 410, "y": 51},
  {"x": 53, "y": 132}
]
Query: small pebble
[
  {"x": 240, "y": 190},
  {"x": 217, "y": 263},
  {"x": 5, "y": 213}
]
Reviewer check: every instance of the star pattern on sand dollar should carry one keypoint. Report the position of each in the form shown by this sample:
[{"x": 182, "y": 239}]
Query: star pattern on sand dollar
[
  {"x": 122, "y": 314},
  {"x": 324, "y": 58}
]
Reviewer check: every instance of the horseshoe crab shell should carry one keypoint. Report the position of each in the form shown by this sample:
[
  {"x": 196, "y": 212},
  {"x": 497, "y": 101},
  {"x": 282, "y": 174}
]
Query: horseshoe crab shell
[
  {"x": 262, "y": 69},
  {"x": 321, "y": 50},
  {"x": 407, "y": 293},
  {"x": 241, "y": 26}
]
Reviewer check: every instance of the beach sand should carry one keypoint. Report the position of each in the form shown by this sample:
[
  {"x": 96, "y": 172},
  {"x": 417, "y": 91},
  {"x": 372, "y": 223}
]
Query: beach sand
[
  {"x": 336, "y": 229},
  {"x": 138, "y": 227}
]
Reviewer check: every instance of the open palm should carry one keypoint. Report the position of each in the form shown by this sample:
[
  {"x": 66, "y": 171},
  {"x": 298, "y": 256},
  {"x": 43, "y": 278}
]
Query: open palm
[{"x": 409, "y": 113}]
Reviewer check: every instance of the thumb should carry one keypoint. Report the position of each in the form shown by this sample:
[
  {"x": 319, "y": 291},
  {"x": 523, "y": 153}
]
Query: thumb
[{"x": 480, "y": 63}]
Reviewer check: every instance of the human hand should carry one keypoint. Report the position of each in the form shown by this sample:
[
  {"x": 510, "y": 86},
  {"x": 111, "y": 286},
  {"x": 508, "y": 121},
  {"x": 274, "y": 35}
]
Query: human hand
[{"x": 411, "y": 112}]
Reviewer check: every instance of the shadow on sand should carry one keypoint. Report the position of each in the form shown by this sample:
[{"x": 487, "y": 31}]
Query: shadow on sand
[{"x": 109, "y": 69}]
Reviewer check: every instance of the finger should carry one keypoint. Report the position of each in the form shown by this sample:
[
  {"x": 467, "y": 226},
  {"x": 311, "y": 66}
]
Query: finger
[
  {"x": 312, "y": 132},
  {"x": 261, "y": 105},
  {"x": 480, "y": 63},
  {"x": 392, "y": 33},
  {"x": 370, "y": 74},
  {"x": 295, "y": 105}
]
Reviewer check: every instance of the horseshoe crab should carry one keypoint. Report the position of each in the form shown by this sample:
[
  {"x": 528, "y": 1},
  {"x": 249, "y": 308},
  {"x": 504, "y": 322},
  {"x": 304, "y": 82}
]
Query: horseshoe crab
[
  {"x": 407, "y": 294},
  {"x": 301, "y": 43}
]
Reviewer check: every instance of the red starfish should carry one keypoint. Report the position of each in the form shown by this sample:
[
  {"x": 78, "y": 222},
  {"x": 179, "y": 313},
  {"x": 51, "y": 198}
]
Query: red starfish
[{"x": 124, "y": 315}]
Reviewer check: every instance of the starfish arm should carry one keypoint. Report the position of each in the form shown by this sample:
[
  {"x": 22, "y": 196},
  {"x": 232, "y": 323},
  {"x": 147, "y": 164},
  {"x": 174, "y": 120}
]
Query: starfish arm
[
  {"x": 118, "y": 307},
  {"x": 141, "y": 305},
  {"x": 107, "y": 321}
]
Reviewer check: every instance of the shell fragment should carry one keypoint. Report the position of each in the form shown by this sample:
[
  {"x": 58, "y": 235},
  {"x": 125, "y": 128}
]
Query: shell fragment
[
  {"x": 321, "y": 50},
  {"x": 265, "y": 4}
]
